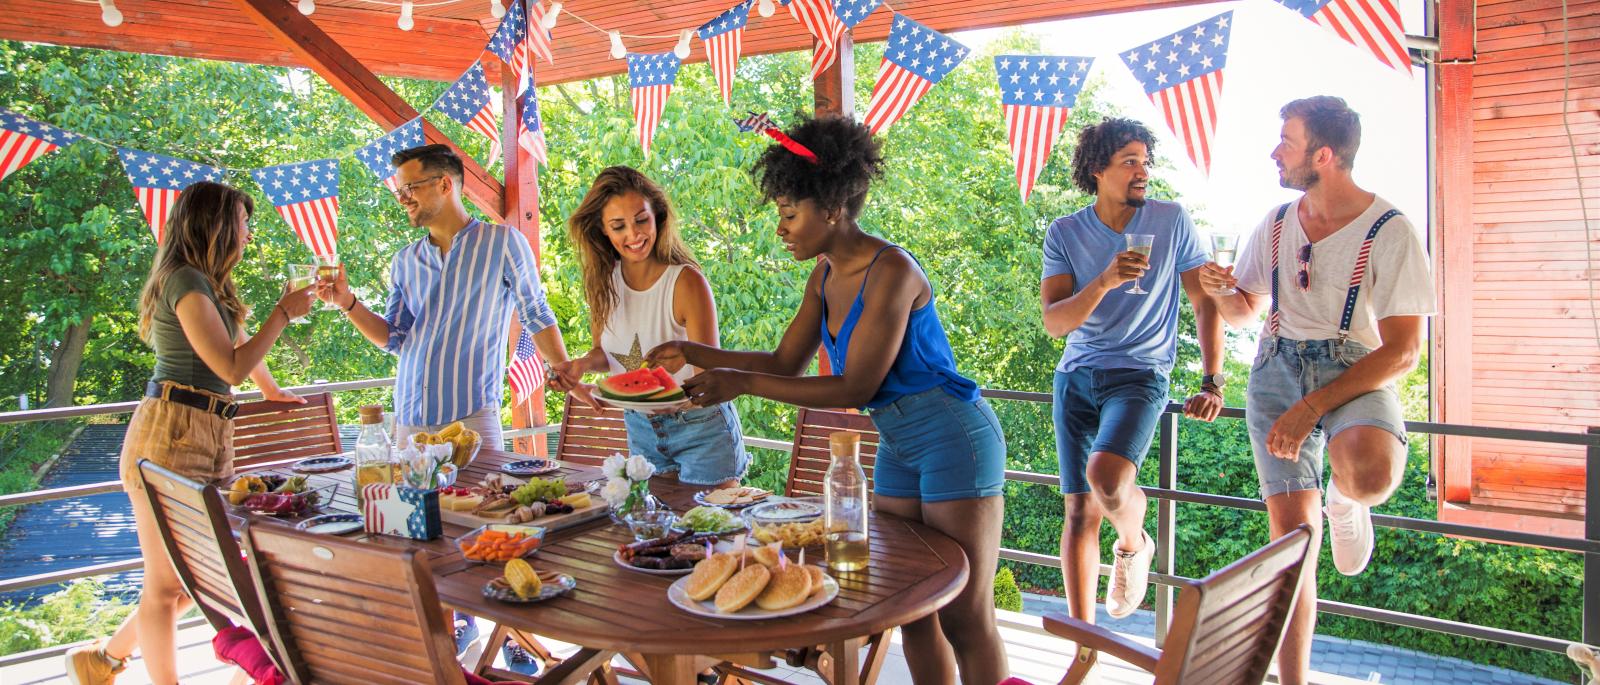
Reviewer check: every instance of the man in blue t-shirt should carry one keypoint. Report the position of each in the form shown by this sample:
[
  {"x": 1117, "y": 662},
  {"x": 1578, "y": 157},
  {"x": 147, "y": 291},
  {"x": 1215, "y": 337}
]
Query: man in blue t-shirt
[{"x": 1118, "y": 309}]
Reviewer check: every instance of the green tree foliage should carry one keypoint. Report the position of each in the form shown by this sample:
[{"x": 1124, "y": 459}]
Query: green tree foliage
[{"x": 76, "y": 248}]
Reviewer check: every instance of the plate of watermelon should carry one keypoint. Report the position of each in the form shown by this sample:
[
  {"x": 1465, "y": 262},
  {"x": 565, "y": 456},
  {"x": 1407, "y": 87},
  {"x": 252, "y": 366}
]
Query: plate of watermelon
[{"x": 647, "y": 389}]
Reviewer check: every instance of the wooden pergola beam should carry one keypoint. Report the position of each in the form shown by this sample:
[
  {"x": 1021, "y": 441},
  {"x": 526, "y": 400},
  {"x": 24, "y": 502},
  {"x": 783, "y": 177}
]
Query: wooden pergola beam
[{"x": 341, "y": 70}]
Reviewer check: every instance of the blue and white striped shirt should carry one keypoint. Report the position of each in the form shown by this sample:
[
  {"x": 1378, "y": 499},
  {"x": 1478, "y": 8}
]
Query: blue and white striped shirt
[{"x": 449, "y": 319}]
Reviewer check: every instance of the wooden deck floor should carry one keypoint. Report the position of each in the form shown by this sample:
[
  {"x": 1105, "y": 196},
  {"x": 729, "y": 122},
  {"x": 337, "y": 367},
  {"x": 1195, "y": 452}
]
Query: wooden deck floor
[{"x": 1035, "y": 656}]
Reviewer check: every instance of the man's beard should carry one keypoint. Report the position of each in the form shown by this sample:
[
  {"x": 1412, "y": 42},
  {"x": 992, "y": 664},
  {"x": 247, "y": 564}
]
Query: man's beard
[
  {"x": 421, "y": 218},
  {"x": 1134, "y": 202},
  {"x": 1300, "y": 178}
]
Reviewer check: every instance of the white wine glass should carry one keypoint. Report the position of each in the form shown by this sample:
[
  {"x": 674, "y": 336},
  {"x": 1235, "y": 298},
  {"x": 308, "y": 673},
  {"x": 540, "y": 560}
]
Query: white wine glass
[
  {"x": 1140, "y": 243},
  {"x": 301, "y": 276},
  {"x": 1224, "y": 249},
  {"x": 327, "y": 272}
]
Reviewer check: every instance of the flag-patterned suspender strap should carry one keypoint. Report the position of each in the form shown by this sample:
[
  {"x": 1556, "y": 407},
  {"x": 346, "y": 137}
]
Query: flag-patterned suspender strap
[
  {"x": 1277, "y": 232},
  {"x": 1359, "y": 272}
]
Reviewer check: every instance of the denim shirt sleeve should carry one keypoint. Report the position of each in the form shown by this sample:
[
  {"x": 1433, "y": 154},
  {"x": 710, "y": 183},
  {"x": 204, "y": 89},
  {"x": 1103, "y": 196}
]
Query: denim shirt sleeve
[
  {"x": 522, "y": 275},
  {"x": 396, "y": 314}
]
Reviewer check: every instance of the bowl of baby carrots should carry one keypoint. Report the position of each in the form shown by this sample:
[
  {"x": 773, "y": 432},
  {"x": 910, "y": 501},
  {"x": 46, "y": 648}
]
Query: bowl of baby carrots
[{"x": 501, "y": 542}]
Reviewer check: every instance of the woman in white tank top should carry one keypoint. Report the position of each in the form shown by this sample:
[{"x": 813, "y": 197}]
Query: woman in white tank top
[{"x": 643, "y": 289}]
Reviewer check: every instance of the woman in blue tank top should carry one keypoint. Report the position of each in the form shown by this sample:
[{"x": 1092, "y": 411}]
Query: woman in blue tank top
[{"x": 941, "y": 455}]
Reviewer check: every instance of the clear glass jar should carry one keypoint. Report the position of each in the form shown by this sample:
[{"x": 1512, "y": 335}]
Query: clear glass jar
[
  {"x": 374, "y": 457},
  {"x": 847, "y": 542}
]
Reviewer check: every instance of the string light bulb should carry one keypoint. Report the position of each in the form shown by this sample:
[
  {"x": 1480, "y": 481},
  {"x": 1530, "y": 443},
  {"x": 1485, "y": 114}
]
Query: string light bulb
[
  {"x": 765, "y": 8},
  {"x": 618, "y": 50},
  {"x": 682, "y": 49},
  {"x": 307, "y": 7},
  {"x": 110, "y": 14},
  {"x": 550, "y": 17},
  {"x": 406, "y": 23},
  {"x": 496, "y": 9}
]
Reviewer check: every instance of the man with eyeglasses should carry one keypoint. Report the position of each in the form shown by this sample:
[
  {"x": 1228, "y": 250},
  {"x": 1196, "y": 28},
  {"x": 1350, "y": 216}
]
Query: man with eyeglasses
[{"x": 1345, "y": 280}]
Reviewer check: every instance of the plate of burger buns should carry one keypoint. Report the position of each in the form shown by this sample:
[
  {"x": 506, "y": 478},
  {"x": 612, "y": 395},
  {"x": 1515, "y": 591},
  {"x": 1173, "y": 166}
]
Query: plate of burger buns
[{"x": 752, "y": 584}]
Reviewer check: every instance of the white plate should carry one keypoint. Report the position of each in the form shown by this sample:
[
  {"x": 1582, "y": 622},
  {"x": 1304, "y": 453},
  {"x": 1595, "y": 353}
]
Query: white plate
[
  {"x": 534, "y": 467},
  {"x": 708, "y": 608},
  {"x": 617, "y": 557},
  {"x": 643, "y": 406},
  {"x": 322, "y": 464},
  {"x": 700, "y": 498}
]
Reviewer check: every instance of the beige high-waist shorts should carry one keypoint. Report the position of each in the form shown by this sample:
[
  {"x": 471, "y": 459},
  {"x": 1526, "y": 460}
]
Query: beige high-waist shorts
[{"x": 194, "y": 443}]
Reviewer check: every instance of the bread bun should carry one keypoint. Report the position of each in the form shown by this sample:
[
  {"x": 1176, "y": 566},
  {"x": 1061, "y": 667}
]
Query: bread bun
[
  {"x": 817, "y": 577},
  {"x": 790, "y": 585},
  {"x": 767, "y": 555},
  {"x": 742, "y": 588},
  {"x": 709, "y": 575}
]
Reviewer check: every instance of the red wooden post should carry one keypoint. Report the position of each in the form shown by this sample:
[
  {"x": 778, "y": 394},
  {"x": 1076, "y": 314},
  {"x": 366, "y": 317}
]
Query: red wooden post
[
  {"x": 522, "y": 211},
  {"x": 1453, "y": 247},
  {"x": 834, "y": 94}
]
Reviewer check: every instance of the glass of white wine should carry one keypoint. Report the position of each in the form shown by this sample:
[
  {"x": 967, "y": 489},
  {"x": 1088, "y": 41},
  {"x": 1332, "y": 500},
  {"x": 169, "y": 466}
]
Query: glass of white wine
[
  {"x": 1224, "y": 248},
  {"x": 1140, "y": 243},
  {"x": 301, "y": 276},
  {"x": 327, "y": 272}
]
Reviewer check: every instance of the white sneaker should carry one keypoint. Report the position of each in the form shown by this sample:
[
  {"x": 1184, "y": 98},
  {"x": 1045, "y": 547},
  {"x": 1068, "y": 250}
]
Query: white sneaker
[
  {"x": 1350, "y": 527},
  {"x": 1130, "y": 576}
]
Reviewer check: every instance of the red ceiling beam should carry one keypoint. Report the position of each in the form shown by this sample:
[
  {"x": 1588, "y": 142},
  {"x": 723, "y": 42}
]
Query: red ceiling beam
[{"x": 330, "y": 60}]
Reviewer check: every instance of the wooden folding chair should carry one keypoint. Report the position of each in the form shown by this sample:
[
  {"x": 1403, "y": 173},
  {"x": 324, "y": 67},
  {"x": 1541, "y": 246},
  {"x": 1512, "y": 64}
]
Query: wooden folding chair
[
  {"x": 809, "y": 457},
  {"x": 194, "y": 529},
  {"x": 589, "y": 435},
  {"x": 273, "y": 432},
  {"x": 1225, "y": 628}
]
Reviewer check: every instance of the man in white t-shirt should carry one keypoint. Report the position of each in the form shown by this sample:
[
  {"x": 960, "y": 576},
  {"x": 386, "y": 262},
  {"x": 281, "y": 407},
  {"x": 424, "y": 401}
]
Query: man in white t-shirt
[{"x": 1346, "y": 283}]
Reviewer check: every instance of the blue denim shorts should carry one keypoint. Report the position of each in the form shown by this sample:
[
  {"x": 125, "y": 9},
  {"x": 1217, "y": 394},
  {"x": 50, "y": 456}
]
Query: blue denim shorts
[
  {"x": 936, "y": 448},
  {"x": 703, "y": 446},
  {"x": 1104, "y": 410},
  {"x": 1284, "y": 372}
]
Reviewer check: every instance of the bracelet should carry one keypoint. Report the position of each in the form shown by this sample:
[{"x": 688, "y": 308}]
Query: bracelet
[
  {"x": 1310, "y": 406},
  {"x": 279, "y": 308},
  {"x": 353, "y": 301},
  {"x": 1210, "y": 388}
]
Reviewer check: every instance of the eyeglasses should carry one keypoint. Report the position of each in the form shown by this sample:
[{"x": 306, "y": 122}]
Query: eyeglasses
[
  {"x": 1302, "y": 277},
  {"x": 408, "y": 188}
]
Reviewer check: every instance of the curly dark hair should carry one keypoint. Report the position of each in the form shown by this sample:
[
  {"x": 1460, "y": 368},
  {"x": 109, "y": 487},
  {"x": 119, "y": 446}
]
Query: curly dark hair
[
  {"x": 1096, "y": 145},
  {"x": 848, "y": 160}
]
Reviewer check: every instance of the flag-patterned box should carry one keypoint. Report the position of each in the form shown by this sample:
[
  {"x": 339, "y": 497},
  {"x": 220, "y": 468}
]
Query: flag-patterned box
[{"x": 400, "y": 510}]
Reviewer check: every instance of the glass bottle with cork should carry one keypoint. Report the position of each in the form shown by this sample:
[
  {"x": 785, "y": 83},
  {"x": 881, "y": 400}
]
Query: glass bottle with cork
[
  {"x": 845, "y": 505},
  {"x": 374, "y": 456}
]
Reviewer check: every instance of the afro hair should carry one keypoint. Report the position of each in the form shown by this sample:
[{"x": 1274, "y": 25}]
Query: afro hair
[
  {"x": 1096, "y": 145},
  {"x": 848, "y": 160}
]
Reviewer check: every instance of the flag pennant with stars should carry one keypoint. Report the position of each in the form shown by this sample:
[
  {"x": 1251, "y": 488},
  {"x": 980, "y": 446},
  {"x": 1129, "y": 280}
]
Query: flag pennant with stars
[
  {"x": 471, "y": 102},
  {"x": 376, "y": 154},
  {"x": 651, "y": 76},
  {"x": 1182, "y": 74},
  {"x": 538, "y": 36},
  {"x": 1372, "y": 25},
  {"x": 824, "y": 26},
  {"x": 306, "y": 194},
  {"x": 23, "y": 140},
  {"x": 724, "y": 38},
  {"x": 916, "y": 58},
  {"x": 510, "y": 43},
  {"x": 526, "y": 372},
  {"x": 530, "y": 128},
  {"x": 1036, "y": 95},
  {"x": 158, "y": 179},
  {"x": 852, "y": 12}
]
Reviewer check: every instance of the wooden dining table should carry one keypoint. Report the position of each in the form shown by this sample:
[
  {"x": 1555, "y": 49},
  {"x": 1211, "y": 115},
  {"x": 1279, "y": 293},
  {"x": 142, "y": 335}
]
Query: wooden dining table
[{"x": 914, "y": 571}]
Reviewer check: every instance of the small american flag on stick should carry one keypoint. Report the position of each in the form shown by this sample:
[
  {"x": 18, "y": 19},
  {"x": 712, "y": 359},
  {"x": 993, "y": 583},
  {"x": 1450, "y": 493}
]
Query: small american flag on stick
[{"x": 526, "y": 372}]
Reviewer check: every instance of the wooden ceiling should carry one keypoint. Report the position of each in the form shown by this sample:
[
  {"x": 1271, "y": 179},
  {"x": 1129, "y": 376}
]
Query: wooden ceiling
[{"x": 447, "y": 38}]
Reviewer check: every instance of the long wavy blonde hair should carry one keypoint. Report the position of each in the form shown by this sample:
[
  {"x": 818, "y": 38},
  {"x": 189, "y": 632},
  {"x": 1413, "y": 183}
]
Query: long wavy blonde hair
[
  {"x": 595, "y": 251},
  {"x": 202, "y": 232}
]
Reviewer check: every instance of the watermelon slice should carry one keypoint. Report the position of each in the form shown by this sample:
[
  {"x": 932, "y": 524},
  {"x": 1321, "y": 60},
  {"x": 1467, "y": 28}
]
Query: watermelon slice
[
  {"x": 631, "y": 385},
  {"x": 667, "y": 381},
  {"x": 667, "y": 395}
]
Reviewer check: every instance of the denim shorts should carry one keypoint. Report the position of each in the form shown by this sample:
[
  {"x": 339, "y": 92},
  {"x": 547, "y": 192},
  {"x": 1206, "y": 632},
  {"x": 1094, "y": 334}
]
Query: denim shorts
[
  {"x": 1104, "y": 410},
  {"x": 936, "y": 448},
  {"x": 1284, "y": 372},
  {"x": 703, "y": 446}
]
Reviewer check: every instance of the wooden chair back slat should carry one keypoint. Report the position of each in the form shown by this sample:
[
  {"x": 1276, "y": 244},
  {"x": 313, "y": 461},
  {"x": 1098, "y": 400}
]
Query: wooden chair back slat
[
  {"x": 194, "y": 529},
  {"x": 343, "y": 612},
  {"x": 1227, "y": 626},
  {"x": 271, "y": 432},
  {"x": 809, "y": 456},
  {"x": 589, "y": 435}
]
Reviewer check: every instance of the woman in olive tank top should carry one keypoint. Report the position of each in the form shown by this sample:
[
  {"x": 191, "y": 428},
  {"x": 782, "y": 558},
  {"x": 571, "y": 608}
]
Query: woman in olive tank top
[{"x": 191, "y": 315}]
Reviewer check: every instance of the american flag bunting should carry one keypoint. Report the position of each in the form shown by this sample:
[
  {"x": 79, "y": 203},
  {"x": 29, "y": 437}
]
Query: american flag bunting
[
  {"x": 651, "y": 77},
  {"x": 530, "y": 128},
  {"x": 1036, "y": 96},
  {"x": 916, "y": 58},
  {"x": 852, "y": 12},
  {"x": 306, "y": 194},
  {"x": 824, "y": 26},
  {"x": 158, "y": 179},
  {"x": 538, "y": 37},
  {"x": 473, "y": 104},
  {"x": 510, "y": 43},
  {"x": 1372, "y": 25},
  {"x": 23, "y": 140},
  {"x": 724, "y": 38},
  {"x": 1182, "y": 74},
  {"x": 376, "y": 154},
  {"x": 526, "y": 372}
]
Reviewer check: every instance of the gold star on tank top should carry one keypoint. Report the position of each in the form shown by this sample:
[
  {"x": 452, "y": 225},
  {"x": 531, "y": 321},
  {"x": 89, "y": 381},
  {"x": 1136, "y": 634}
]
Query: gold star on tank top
[{"x": 634, "y": 359}]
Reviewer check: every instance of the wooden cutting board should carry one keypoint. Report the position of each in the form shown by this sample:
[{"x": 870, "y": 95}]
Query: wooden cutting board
[{"x": 596, "y": 509}]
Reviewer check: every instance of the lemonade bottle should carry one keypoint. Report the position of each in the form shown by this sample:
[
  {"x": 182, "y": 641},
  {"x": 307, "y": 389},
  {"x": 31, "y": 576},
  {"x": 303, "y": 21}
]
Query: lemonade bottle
[
  {"x": 374, "y": 460},
  {"x": 845, "y": 505}
]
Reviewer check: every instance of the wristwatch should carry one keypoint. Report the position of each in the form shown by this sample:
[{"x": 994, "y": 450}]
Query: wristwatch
[{"x": 1214, "y": 381}]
